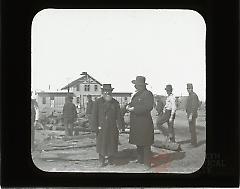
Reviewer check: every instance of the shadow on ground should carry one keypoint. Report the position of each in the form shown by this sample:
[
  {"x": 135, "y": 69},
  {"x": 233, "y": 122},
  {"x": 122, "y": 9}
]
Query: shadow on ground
[
  {"x": 127, "y": 155},
  {"x": 160, "y": 159},
  {"x": 201, "y": 142}
]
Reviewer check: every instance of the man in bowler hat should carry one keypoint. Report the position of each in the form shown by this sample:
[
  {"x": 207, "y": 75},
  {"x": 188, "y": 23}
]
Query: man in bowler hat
[
  {"x": 106, "y": 122},
  {"x": 192, "y": 106},
  {"x": 69, "y": 115},
  {"x": 141, "y": 124},
  {"x": 168, "y": 116}
]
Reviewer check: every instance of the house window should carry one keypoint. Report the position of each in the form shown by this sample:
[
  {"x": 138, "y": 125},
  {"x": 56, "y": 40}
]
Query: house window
[
  {"x": 78, "y": 89},
  {"x": 44, "y": 100},
  {"x": 52, "y": 103},
  {"x": 86, "y": 87},
  {"x": 78, "y": 100},
  {"x": 96, "y": 87}
]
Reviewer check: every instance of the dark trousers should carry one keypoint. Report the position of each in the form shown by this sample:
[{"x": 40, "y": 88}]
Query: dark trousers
[
  {"x": 68, "y": 127},
  {"x": 192, "y": 129},
  {"x": 101, "y": 158},
  {"x": 89, "y": 117},
  {"x": 164, "y": 118},
  {"x": 144, "y": 154}
]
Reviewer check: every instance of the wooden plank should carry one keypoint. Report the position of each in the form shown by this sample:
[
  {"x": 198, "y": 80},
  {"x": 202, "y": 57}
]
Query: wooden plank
[
  {"x": 68, "y": 147},
  {"x": 167, "y": 145},
  {"x": 127, "y": 131},
  {"x": 70, "y": 155}
]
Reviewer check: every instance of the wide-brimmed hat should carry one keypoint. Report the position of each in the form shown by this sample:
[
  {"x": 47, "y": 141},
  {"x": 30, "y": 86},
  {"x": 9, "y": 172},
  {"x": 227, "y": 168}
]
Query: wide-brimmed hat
[
  {"x": 189, "y": 86},
  {"x": 107, "y": 87},
  {"x": 168, "y": 88},
  {"x": 140, "y": 80}
]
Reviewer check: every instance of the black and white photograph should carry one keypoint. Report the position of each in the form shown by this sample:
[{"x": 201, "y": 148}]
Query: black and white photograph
[{"x": 118, "y": 90}]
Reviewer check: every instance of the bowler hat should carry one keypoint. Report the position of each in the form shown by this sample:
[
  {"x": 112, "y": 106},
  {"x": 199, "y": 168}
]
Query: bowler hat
[
  {"x": 140, "y": 80},
  {"x": 189, "y": 86},
  {"x": 107, "y": 87},
  {"x": 168, "y": 88}
]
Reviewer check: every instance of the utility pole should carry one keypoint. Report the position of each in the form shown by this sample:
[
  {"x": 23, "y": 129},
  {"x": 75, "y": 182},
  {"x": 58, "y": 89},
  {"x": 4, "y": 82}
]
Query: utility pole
[
  {"x": 88, "y": 82},
  {"x": 68, "y": 79}
]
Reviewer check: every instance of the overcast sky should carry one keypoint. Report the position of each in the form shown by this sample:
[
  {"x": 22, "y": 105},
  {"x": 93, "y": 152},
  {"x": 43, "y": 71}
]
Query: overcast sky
[{"x": 114, "y": 46}]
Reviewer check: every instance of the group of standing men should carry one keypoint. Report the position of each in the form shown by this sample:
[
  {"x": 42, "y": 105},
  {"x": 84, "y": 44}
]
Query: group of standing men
[
  {"x": 107, "y": 120},
  {"x": 167, "y": 113}
]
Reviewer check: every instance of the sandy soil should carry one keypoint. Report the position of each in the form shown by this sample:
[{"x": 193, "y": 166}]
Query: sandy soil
[{"x": 190, "y": 159}]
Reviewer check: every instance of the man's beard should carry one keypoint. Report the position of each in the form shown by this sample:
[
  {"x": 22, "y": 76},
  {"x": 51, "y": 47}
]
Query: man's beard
[{"x": 108, "y": 98}]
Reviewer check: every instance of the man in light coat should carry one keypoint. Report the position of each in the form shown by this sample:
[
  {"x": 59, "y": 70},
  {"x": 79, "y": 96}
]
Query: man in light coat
[{"x": 168, "y": 116}]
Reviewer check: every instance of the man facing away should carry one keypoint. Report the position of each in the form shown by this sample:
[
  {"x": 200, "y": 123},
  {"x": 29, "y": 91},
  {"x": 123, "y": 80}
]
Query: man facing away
[
  {"x": 192, "y": 114},
  {"x": 141, "y": 124},
  {"x": 69, "y": 115},
  {"x": 168, "y": 116},
  {"x": 106, "y": 122}
]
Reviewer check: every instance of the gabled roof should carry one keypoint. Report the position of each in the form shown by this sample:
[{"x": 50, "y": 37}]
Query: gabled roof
[
  {"x": 53, "y": 93},
  {"x": 80, "y": 80}
]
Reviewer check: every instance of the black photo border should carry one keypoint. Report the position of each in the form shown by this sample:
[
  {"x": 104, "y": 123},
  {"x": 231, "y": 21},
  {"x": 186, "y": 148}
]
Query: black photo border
[{"x": 17, "y": 169}]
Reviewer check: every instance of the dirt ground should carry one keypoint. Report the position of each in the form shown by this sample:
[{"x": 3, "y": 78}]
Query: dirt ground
[{"x": 188, "y": 160}]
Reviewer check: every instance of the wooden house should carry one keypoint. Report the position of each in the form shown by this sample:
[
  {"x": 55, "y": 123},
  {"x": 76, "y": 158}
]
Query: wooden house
[
  {"x": 83, "y": 86},
  {"x": 53, "y": 102}
]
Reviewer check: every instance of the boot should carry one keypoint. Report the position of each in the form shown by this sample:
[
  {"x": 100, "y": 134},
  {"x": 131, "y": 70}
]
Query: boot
[
  {"x": 139, "y": 155},
  {"x": 101, "y": 161},
  {"x": 111, "y": 160}
]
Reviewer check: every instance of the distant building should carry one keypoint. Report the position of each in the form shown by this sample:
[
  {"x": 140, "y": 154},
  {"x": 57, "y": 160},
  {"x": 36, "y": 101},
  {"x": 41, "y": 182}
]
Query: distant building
[
  {"x": 53, "y": 102},
  {"x": 83, "y": 86},
  {"x": 122, "y": 97},
  {"x": 50, "y": 102}
]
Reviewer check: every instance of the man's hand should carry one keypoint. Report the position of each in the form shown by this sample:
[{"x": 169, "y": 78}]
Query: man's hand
[
  {"x": 190, "y": 117},
  {"x": 129, "y": 108}
]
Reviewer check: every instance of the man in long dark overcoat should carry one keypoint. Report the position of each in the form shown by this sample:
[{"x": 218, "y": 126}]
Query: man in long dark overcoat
[
  {"x": 106, "y": 122},
  {"x": 69, "y": 115},
  {"x": 141, "y": 124}
]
